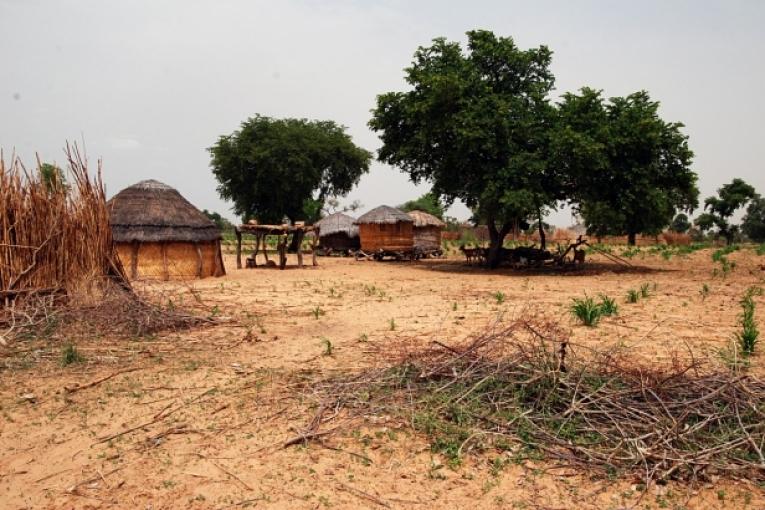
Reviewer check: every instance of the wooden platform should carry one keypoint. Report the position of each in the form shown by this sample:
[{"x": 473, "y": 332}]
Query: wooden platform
[{"x": 283, "y": 232}]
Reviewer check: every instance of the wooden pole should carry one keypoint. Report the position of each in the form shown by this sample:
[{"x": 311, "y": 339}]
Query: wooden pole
[
  {"x": 265, "y": 247},
  {"x": 165, "y": 269},
  {"x": 134, "y": 260},
  {"x": 299, "y": 234},
  {"x": 238, "y": 248},
  {"x": 199, "y": 260},
  {"x": 255, "y": 251},
  {"x": 282, "y": 251},
  {"x": 314, "y": 246}
]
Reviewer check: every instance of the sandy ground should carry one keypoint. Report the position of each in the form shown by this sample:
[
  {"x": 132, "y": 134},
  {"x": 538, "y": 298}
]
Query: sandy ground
[{"x": 196, "y": 419}]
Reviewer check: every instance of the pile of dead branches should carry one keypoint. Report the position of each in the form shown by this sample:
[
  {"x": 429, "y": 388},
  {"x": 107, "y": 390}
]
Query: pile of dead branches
[{"x": 524, "y": 389}]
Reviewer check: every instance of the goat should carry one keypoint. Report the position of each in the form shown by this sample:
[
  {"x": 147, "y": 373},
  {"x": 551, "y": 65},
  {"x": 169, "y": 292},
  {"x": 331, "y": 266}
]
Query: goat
[{"x": 471, "y": 254}]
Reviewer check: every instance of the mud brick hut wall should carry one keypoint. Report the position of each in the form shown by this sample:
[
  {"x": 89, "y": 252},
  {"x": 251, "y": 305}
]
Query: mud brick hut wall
[
  {"x": 385, "y": 228},
  {"x": 160, "y": 235}
]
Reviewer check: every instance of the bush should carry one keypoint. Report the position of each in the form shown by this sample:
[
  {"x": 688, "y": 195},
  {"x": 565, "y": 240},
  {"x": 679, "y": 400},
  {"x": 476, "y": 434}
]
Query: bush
[{"x": 747, "y": 337}]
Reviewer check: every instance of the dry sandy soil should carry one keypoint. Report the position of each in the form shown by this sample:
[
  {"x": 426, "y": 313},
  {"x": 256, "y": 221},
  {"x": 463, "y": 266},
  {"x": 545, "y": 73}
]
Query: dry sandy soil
[{"x": 197, "y": 418}]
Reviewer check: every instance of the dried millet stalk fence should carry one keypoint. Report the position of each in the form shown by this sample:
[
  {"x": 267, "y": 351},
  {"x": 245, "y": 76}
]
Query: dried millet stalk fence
[
  {"x": 58, "y": 264},
  {"x": 53, "y": 235},
  {"x": 525, "y": 389}
]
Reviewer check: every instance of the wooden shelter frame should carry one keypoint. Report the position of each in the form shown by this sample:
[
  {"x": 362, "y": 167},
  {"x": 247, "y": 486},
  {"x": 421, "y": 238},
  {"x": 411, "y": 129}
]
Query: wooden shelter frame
[{"x": 283, "y": 232}]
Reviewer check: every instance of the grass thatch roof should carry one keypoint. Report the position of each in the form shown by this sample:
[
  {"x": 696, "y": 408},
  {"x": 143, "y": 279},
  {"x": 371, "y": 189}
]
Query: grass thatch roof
[
  {"x": 337, "y": 223},
  {"x": 384, "y": 214},
  {"x": 151, "y": 211},
  {"x": 423, "y": 219}
]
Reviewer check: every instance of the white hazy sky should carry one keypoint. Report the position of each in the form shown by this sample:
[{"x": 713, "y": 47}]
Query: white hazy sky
[{"x": 150, "y": 84}]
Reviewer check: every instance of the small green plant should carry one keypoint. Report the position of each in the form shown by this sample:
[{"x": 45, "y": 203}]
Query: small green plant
[
  {"x": 760, "y": 250},
  {"x": 317, "y": 312},
  {"x": 645, "y": 290},
  {"x": 500, "y": 297},
  {"x": 586, "y": 310},
  {"x": 392, "y": 324},
  {"x": 70, "y": 355},
  {"x": 363, "y": 338},
  {"x": 747, "y": 337},
  {"x": 704, "y": 291},
  {"x": 328, "y": 348},
  {"x": 608, "y": 306},
  {"x": 633, "y": 296}
]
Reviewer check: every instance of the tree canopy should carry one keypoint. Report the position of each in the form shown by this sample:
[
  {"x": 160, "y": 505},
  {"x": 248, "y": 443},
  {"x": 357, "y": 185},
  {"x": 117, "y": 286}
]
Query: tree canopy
[
  {"x": 753, "y": 224},
  {"x": 478, "y": 125},
  {"x": 718, "y": 210},
  {"x": 272, "y": 168},
  {"x": 221, "y": 222},
  {"x": 429, "y": 202},
  {"x": 680, "y": 223},
  {"x": 631, "y": 170}
]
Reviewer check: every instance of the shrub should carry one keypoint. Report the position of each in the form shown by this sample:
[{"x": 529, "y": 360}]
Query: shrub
[
  {"x": 586, "y": 310},
  {"x": 500, "y": 297},
  {"x": 633, "y": 296},
  {"x": 747, "y": 337},
  {"x": 645, "y": 290}
]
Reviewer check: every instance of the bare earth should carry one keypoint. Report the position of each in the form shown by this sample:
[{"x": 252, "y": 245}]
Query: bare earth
[{"x": 200, "y": 420}]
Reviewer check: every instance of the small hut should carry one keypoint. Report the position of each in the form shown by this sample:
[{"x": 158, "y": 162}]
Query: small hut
[
  {"x": 160, "y": 235},
  {"x": 427, "y": 232},
  {"x": 385, "y": 229},
  {"x": 338, "y": 233}
]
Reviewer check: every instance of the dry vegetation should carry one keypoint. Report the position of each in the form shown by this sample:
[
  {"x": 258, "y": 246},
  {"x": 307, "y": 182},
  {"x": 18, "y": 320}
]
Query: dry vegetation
[{"x": 431, "y": 384}]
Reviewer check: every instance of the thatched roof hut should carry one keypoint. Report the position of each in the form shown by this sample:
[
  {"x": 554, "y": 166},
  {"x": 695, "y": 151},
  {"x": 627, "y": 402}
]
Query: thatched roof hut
[
  {"x": 387, "y": 229},
  {"x": 338, "y": 233},
  {"x": 159, "y": 234},
  {"x": 427, "y": 231}
]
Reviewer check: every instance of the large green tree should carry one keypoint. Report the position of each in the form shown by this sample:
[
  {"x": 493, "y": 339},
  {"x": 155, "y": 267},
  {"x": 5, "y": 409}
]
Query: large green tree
[
  {"x": 429, "y": 202},
  {"x": 631, "y": 170},
  {"x": 719, "y": 210},
  {"x": 272, "y": 168},
  {"x": 477, "y": 124},
  {"x": 753, "y": 224}
]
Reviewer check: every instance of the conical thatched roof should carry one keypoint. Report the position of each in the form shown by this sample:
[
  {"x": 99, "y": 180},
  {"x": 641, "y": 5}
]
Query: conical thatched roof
[
  {"x": 384, "y": 214},
  {"x": 151, "y": 211},
  {"x": 337, "y": 223},
  {"x": 423, "y": 219}
]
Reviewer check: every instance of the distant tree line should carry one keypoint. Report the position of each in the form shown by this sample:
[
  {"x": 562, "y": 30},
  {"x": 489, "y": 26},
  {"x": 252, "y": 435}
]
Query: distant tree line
[{"x": 479, "y": 125}]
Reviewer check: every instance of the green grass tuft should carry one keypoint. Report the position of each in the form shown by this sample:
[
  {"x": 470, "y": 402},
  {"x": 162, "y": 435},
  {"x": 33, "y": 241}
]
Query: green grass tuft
[
  {"x": 70, "y": 355},
  {"x": 586, "y": 310},
  {"x": 608, "y": 306}
]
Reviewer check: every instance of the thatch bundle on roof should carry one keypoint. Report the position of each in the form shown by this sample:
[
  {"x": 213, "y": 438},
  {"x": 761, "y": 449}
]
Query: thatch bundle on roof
[
  {"x": 427, "y": 231},
  {"x": 159, "y": 234},
  {"x": 387, "y": 229},
  {"x": 338, "y": 233}
]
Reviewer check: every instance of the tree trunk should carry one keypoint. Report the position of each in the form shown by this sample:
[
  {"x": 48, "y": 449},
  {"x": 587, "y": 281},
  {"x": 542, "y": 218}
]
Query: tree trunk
[
  {"x": 542, "y": 238},
  {"x": 631, "y": 238},
  {"x": 497, "y": 238}
]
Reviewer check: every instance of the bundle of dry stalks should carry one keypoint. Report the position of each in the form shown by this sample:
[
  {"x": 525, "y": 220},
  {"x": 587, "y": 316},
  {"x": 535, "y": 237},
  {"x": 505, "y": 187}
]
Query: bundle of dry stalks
[
  {"x": 524, "y": 389},
  {"x": 58, "y": 263},
  {"x": 54, "y": 234}
]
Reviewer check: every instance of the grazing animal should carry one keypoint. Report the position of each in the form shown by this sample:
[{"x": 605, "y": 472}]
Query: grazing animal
[{"x": 472, "y": 254}]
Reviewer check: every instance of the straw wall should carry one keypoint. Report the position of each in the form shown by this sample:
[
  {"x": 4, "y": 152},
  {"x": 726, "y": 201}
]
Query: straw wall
[
  {"x": 171, "y": 260},
  {"x": 386, "y": 236},
  {"x": 427, "y": 238}
]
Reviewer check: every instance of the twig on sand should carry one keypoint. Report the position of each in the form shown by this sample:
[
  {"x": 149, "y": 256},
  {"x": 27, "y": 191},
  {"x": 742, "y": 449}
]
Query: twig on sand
[
  {"x": 72, "y": 389},
  {"x": 361, "y": 494}
]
